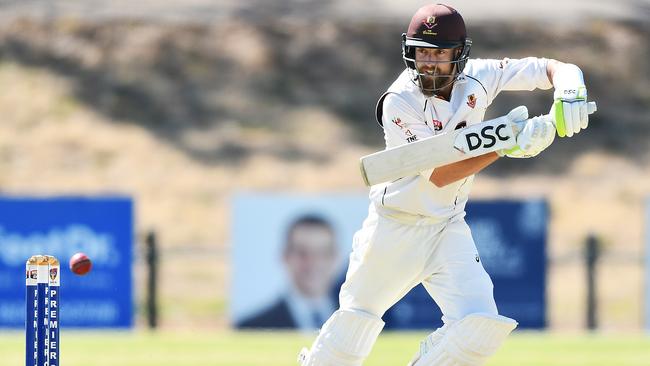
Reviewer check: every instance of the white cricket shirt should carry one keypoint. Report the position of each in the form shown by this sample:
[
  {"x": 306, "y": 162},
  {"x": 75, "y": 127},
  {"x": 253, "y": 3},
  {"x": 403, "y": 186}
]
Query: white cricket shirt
[{"x": 408, "y": 115}]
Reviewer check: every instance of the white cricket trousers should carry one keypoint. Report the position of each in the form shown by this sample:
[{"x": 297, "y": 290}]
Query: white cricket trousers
[{"x": 392, "y": 253}]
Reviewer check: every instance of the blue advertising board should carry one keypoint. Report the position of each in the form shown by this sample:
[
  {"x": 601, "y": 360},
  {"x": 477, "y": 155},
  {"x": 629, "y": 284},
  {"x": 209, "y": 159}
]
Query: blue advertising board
[
  {"x": 511, "y": 239},
  {"x": 62, "y": 226}
]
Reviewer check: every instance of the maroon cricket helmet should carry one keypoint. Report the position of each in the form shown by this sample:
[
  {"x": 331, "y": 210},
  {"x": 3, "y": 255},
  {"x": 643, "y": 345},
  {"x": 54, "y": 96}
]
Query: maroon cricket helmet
[{"x": 436, "y": 26}]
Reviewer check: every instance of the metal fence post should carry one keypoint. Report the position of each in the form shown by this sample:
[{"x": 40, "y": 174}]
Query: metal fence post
[
  {"x": 151, "y": 248},
  {"x": 592, "y": 253}
]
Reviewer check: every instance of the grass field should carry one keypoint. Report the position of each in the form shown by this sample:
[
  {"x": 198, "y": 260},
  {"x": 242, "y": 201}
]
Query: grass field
[{"x": 275, "y": 349}]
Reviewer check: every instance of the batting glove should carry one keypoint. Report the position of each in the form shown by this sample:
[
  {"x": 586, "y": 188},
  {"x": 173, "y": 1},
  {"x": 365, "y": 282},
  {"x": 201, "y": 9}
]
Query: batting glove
[
  {"x": 570, "y": 100},
  {"x": 537, "y": 134}
]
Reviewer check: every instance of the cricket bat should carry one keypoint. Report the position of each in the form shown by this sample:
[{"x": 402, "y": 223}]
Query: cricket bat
[{"x": 450, "y": 147}]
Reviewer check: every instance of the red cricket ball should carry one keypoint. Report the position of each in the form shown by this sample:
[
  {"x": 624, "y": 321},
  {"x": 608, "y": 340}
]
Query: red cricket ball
[{"x": 80, "y": 264}]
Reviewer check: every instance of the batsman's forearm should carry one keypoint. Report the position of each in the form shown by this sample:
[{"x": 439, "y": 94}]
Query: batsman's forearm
[
  {"x": 551, "y": 67},
  {"x": 447, "y": 174}
]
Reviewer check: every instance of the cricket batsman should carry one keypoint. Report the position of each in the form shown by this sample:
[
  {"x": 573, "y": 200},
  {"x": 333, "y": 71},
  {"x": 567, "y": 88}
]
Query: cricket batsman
[{"x": 415, "y": 231}]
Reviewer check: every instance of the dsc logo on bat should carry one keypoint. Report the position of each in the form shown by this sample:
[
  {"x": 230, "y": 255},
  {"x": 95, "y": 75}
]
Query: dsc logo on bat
[{"x": 487, "y": 137}]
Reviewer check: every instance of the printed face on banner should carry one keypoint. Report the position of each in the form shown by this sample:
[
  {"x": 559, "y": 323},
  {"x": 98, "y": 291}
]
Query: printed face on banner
[{"x": 300, "y": 250}]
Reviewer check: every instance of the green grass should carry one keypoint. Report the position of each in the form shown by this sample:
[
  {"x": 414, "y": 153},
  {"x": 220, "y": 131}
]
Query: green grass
[{"x": 203, "y": 348}]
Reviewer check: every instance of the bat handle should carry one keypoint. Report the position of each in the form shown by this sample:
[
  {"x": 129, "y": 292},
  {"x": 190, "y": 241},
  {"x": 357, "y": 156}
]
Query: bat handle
[{"x": 591, "y": 107}]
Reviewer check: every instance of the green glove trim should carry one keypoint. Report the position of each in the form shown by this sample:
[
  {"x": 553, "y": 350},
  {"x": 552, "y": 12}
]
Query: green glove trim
[
  {"x": 510, "y": 150},
  {"x": 560, "y": 126}
]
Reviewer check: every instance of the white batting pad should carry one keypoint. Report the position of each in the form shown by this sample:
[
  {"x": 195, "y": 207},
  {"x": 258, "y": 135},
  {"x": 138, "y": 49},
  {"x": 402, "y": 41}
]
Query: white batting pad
[
  {"x": 429, "y": 343},
  {"x": 470, "y": 341},
  {"x": 345, "y": 340}
]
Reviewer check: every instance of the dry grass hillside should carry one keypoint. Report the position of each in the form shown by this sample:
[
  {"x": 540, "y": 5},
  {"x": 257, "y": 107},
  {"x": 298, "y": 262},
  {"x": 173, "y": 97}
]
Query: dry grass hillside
[{"x": 180, "y": 116}]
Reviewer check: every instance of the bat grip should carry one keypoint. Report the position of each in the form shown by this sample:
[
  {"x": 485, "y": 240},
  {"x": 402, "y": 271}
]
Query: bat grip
[{"x": 591, "y": 107}]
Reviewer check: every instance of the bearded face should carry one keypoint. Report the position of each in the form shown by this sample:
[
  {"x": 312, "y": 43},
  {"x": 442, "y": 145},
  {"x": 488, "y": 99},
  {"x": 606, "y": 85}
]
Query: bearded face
[{"x": 435, "y": 68}]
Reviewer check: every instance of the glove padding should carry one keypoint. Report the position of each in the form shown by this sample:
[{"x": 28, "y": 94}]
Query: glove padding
[
  {"x": 570, "y": 101},
  {"x": 537, "y": 134}
]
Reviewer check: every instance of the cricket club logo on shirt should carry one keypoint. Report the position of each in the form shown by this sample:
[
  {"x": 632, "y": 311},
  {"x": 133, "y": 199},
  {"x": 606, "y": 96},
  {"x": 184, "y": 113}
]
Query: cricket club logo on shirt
[
  {"x": 53, "y": 273},
  {"x": 398, "y": 122},
  {"x": 471, "y": 100},
  {"x": 437, "y": 125},
  {"x": 410, "y": 137}
]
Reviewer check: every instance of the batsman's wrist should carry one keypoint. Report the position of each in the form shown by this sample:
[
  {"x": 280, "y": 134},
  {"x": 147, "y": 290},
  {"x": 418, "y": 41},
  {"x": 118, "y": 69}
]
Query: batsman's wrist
[{"x": 567, "y": 81}]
